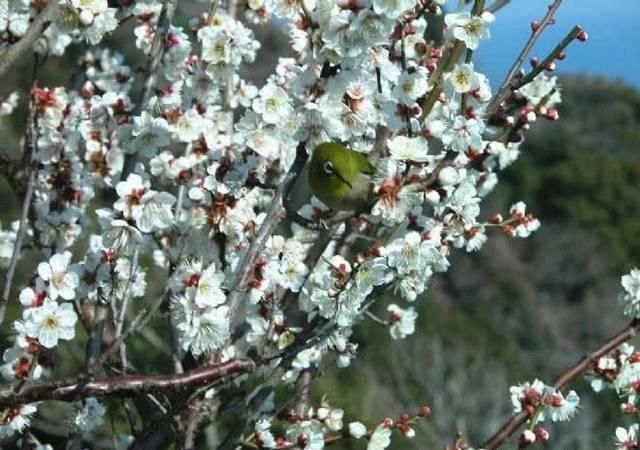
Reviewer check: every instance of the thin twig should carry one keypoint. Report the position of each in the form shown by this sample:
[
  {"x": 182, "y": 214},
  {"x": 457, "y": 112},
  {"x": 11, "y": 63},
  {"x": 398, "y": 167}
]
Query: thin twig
[
  {"x": 564, "y": 379},
  {"x": 31, "y": 172},
  {"x": 497, "y": 5},
  {"x": 535, "y": 35},
  {"x": 510, "y": 83},
  {"x": 125, "y": 306}
]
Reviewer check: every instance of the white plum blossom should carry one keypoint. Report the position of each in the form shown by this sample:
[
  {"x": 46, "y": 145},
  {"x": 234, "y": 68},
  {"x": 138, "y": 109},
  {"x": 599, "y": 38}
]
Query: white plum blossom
[
  {"x": 380, "y": 438},
  {"x": 630, "y": 298},
  {"x": 627, "y": 438},
  {"x": 462, "y": 78},
  {"x": 402, "y": 321},
  {"x": 199, "y": 329},
  {"x": 61, "y": 280},
  {"x": 468, "y": 28},
  {"x": 542, "y": 87},
  {"x": 16, "y": 419},
  {"x": 411, "y": 149},
  {"x": 209, "y": 289},
  {"x": 263, "y": 434},
  {"x": 561, "y": 408},
  {"x": 392, "y": 8},
  {"x": 51, "y": 322},
  {"x": 273, "y": 103},
  {"x": 357, "y": 430},
  {"x": 411, "y": 85}
]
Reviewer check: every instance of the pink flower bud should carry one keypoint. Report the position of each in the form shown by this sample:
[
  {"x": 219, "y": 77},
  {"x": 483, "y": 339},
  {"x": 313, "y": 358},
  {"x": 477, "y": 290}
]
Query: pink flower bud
[
  {"x": 527, "y": 438},
  {"x": 628, "y": 408},
  {"x": 542, "y": 435},
  {"x": 552, "y": 114},
  {"x": 550, "y": 66},
  {"x": 534, "y": 61},
  {"x": 583, "y": 36},
  {"x": 535, "y": 25}
]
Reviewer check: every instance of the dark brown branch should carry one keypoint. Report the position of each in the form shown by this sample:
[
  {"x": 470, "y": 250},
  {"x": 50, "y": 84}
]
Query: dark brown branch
[
  {"x": 564, "y": 379},
  {"x": 12, "y": 54},
  {"x": 76, "y": 389}
]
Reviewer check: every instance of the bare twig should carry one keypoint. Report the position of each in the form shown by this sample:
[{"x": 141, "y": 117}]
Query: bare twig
[
  {"x": 535, "y": 35},
  {"x": 569, "y": 37},
  {"x": 511, "y": 82},
  {"x": 29, "y": 154},
  {"x": 11, "y": 55},
  {"x": 77, "y": 388},
  {"x": 564, "y": 379},
  {"x": 497, "y": 5},
  {"x": 125, "y": 306}
]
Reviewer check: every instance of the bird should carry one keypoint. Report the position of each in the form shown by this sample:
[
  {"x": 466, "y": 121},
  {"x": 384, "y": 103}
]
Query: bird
[{"x": 341, "y": 178}]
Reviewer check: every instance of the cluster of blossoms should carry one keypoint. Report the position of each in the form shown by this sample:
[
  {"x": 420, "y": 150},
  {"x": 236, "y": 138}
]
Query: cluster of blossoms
[
  {"x": 540, "y": 401},
  {"x": 187, "y": 174},
  {"x": 315, "y": 427},
  {"x": 77, "y": 21},
  {"x": 620, "y": 369}
]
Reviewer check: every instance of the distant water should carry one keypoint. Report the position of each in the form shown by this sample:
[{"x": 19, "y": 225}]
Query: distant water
[{"x": 613, "y": 48}]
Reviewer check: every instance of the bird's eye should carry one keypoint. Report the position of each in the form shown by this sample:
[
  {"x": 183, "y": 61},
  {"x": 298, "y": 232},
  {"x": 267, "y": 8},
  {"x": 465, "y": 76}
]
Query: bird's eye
[{"x": 328, "y": 168}]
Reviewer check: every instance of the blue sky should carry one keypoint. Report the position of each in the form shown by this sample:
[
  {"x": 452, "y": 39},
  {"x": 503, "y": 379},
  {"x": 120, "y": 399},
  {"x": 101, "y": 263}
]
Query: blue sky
[{"x": 613, "y": 48}]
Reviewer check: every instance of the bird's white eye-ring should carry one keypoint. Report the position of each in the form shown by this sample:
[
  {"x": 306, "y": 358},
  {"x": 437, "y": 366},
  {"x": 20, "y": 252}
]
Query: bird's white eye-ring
[{"x": 328, "y": 168}]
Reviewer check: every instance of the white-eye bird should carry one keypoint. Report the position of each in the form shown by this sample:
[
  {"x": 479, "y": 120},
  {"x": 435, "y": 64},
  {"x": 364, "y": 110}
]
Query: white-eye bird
[{"x": 341, "y": 178}]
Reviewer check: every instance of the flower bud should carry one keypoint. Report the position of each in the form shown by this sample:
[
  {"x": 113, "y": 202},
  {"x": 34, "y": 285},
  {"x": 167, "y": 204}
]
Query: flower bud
[
  {"x": 86, "y": 17},
  {"x": 542, "y": 435},
  {"x": 357, "y": 430},
  {"x": 527, "y": 438}
]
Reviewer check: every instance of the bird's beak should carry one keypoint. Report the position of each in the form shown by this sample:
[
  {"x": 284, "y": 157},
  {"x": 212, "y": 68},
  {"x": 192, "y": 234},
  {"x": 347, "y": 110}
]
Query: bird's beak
[{"x": 343, "y": 179}]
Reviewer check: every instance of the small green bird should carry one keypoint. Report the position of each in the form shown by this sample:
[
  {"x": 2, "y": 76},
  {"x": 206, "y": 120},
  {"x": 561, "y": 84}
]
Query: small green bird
[{"x": 342, "y": 178}]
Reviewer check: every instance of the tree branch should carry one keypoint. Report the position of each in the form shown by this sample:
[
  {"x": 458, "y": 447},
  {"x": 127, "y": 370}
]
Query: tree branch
[
  {"x": 275, "y": 214},
  {"x": 12, "y": 54},
  {"x": 75, "y": 389},
  {"x": 564, "y": 379}
]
